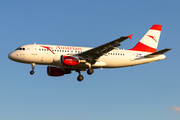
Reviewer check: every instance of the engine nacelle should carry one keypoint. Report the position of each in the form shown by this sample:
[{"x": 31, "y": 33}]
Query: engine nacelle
[
  {"x": 56, "y": 71},
  {"x": 69, "y": 60}
]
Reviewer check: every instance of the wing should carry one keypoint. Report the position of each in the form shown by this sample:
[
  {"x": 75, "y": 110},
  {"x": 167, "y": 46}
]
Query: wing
[{"x": 93, "y": 54}]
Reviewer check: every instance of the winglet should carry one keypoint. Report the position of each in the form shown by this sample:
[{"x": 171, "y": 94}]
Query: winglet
[{"x": 130, "y": 36}]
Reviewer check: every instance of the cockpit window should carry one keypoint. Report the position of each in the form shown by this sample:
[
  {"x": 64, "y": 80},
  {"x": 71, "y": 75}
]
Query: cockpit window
[{"x": 19, "y": 48}]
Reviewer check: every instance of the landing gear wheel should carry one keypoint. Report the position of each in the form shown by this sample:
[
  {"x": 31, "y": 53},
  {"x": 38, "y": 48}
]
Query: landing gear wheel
[
  {"x": 32, "y": 72},
  {"x": 90, "y": 71},
  {"x": 32, "y": 66},
  {"x": 80, "y": 78}
]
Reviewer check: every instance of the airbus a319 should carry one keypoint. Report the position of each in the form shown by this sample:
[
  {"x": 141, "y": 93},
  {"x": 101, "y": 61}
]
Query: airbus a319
[{"x": 62, "y": 60}]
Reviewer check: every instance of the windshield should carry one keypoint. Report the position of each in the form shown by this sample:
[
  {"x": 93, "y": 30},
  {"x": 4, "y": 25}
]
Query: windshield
[{"x": 19, "y": 48}]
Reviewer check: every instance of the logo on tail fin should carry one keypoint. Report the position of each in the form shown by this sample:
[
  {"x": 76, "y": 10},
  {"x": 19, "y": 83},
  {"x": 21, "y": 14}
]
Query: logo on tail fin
[
  {"x": 146, "y": 44},
  {"x": 153, "y": 37}
]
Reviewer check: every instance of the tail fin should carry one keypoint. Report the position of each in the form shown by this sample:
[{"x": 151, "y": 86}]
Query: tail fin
[{"x": 150, "y": 40}]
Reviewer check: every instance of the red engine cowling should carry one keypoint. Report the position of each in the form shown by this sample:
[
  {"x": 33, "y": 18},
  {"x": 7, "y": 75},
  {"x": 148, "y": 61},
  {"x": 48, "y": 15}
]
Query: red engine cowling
[
  {"x": 69, "y": 60},
  {"x": 55, "y": 71}
]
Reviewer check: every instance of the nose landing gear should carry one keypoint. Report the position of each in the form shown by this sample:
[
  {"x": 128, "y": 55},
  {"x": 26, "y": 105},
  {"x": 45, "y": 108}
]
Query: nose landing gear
[{"x": 32, "y": 71}]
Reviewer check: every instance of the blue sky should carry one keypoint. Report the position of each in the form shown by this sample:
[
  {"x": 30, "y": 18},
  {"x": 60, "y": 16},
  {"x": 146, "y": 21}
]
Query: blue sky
[{"x": 149, "y": 91}]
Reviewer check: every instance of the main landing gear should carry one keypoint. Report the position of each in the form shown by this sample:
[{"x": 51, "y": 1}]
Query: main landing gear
[
  {"x": 81, "y": 77},
  {"x": 90, "y": 71},
  {"x": 32, "y": 71}
]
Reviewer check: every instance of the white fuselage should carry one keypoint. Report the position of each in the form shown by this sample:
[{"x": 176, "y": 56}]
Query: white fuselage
[{"x": 37, "y": 54}]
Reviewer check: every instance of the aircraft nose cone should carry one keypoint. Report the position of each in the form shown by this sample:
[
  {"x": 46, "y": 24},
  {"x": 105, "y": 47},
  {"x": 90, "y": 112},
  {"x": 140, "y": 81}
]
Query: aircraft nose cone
[{"x": 11, "y": 56}]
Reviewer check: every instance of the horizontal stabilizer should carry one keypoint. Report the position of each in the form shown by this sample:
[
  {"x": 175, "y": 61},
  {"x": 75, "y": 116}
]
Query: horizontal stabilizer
[
  {"x": 157, "y": 53},
  {"x": 154, "y": 54}
]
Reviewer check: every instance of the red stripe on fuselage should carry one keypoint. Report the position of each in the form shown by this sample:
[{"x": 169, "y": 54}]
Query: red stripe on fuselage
[{"x": 142, "y": 47}]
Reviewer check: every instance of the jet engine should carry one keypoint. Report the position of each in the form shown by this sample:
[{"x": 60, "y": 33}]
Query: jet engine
[
  {"x": 69, "y": 60},
  {"x": 57, "y": 71}
]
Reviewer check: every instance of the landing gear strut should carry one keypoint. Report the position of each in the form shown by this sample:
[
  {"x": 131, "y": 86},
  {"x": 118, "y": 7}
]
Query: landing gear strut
[
  {"x": 90, "y": 70},
  {"x": 32, "y": 71}
]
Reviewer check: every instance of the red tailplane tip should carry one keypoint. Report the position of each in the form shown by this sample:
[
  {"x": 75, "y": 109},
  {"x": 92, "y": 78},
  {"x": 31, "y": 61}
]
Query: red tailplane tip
[{"x": 130, "y": 36}]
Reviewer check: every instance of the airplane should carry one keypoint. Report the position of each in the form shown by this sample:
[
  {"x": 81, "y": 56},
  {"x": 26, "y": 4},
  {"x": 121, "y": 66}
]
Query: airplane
[{"x": 62, "y": 60}]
